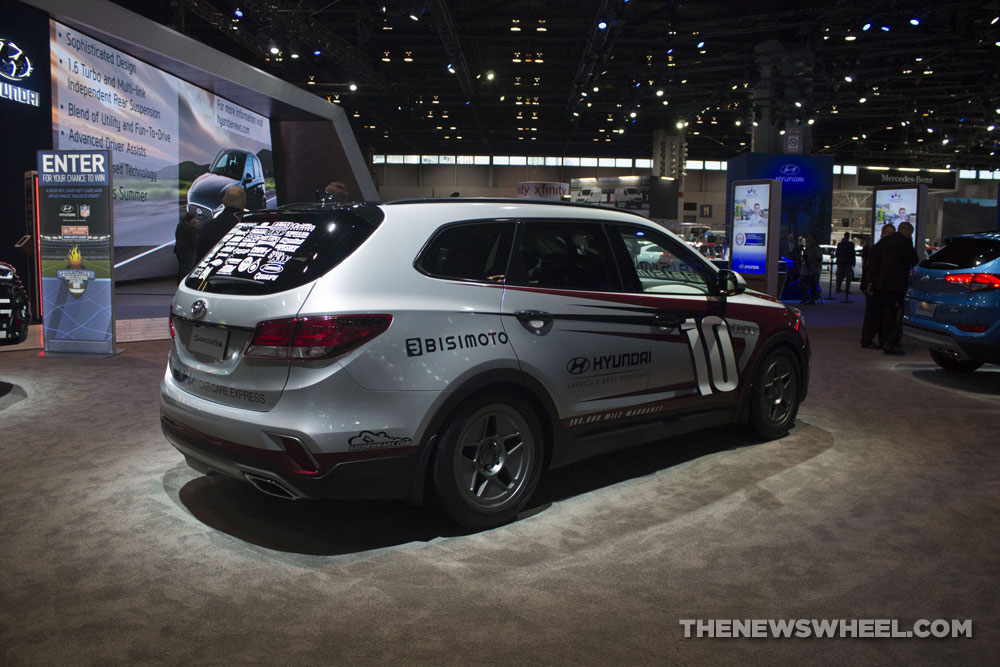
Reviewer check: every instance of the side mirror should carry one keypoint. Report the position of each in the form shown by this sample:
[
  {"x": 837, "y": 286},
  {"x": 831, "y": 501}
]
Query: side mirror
[
  {"x": 247, "y": 178},
  {"x": 730, "y": 283}
]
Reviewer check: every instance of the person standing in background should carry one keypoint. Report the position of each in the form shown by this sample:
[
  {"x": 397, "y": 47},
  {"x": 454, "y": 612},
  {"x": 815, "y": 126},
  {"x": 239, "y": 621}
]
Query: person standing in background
[
  {"x": 234, "y": 198},
  {"x": 890, "y": 274},
  {"x": 186, "y": 244},
  {"x": 846, "y": 260},
  {"x": 812, "y": 261}
]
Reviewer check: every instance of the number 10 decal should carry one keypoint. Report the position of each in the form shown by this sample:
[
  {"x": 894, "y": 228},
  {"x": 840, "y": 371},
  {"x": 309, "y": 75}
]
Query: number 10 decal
[{"x": 718, "y": 349}]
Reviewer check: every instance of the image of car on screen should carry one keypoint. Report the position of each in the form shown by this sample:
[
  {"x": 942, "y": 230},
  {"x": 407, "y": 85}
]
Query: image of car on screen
[
  {"x": 232, "y": 166},
  {"x": 15, "y": 314},
  {"x": 509, "y": 338}
]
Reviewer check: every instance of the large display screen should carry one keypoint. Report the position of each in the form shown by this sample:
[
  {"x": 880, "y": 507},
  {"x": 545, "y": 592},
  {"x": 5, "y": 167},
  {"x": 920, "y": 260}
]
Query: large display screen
[
  {"x": 749, "y": 240},
  {"x": 895, "y": 206},
  {"x": 174, "y": 146}
]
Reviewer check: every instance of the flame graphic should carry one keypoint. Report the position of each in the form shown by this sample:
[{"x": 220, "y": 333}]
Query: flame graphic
[{"x": 74, "y": 257}]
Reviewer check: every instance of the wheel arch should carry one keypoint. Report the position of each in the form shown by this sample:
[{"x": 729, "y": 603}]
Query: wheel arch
[
  {"x": 783, "y": 340},
  {"x": 510, "y": 380}
]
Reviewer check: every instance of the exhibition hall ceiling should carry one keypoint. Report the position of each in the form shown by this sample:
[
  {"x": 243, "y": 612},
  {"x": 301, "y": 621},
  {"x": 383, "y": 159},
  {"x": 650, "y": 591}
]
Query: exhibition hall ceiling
[{"x": 891, "y": 83}]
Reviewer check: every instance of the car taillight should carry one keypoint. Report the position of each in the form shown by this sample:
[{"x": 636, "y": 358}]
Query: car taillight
[
  {"x": 972, "y": 328},
  {"x": 316, "y": 337},
  {"x": 172, "y": 332},
  {"x": 975, "y": 281}
]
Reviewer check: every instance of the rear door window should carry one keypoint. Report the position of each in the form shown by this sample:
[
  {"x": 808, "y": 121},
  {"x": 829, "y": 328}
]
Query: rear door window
[
  {"x": 476, "y": 251},
  {"x": 566, "y": 254},
  {"x": 963, "y": 253},
  {"x": 271, "y": 252}
]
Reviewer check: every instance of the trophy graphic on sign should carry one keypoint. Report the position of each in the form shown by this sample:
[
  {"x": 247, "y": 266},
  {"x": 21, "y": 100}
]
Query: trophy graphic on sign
[{"x": 76, "y": 274}]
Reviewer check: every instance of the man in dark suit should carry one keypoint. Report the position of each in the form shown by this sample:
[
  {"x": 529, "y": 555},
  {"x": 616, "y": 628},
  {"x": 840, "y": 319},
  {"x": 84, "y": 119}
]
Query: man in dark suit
[
  {"x": 846, "y": 259},
  {"x": 234, "y": 198},
  {"x": 889, "y": 274}
]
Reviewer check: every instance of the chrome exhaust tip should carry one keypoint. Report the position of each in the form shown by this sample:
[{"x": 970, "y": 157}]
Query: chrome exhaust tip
[{"x": 270, "y": 487}]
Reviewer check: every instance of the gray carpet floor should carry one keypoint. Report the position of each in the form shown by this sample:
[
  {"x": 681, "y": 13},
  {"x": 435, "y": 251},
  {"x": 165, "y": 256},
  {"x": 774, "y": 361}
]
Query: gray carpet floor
[{"x": 883, "y": 502}]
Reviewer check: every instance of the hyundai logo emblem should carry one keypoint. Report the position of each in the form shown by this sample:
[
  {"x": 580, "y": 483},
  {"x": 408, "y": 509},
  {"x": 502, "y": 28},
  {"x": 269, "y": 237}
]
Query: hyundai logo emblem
[
  {"x": 789, "y": 169},
  {"x": 578, "y": 365},
  {"x": 198, "y": 309},
  {"x": 14, "y": 65}
]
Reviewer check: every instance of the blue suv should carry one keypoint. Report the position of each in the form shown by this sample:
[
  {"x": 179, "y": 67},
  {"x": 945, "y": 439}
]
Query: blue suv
[{"x": 953, "y": 304}]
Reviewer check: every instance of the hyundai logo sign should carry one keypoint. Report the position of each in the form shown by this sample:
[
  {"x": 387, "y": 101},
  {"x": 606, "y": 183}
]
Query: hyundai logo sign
[
  {"x": 578, "y": 365},
  {"x": 789, "y": 170},
  {"x": 14, "y": 64}
]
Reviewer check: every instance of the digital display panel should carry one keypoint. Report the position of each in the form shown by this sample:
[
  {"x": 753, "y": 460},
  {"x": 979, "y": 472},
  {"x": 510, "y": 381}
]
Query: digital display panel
[
  {"x": 175, "y": 147},
  {"x": 894, "y": 206},
  {"x": 749, "y": 235}
]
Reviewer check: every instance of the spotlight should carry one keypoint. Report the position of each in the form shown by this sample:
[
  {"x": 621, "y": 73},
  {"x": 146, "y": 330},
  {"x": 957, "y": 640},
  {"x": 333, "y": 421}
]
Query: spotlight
[
  {"x": 914, "y": 21},
  {"x": 238, "y": 13},
  {"x": 353, "y": 87},
  {"x": 489, "y": 76},
  {"x": 848, "y": 78},
  {"x": 866, "y": 27},
  {"x": 602, "y": 25},
  {"x": 701, "y": 45},
  {"x": 680, "y": 125},
  {"x": 812, "y": 120},
  {"x": 659, "y": 93},
  {"x": 275, "y": 50},
  {"x": 317, "y": 52},
  {"x": 885, "y": 28},
  {"x": 798, "y": 105}
]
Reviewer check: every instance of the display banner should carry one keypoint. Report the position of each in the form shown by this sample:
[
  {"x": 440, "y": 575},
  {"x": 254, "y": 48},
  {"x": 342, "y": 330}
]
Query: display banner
[
  {"x": 753, "y": 232},
  {"x": 749, "y": 235},
  {"x": 76, "y": 242},
  {"x": 895, "y": 205},
  {"x": 176, "y": 147}
]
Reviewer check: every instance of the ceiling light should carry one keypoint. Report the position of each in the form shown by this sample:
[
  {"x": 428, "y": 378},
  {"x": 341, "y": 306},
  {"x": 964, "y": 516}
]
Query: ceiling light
[
  {"x": 701, "y": 45},
  {"x": 811, "y": 121},
  {"x": 944, "y": 142},
  {"x": 632, "y": 115},
  {"x": 489, "y": 76},
  {"x": 596, "y": 89},
  {"x": 274, "y": 50},
  {"x": 914, "y": 21},
  {"x": 991, "y": 128},
  {"x": 781, "y": 132},
  {"x": 665, "y": 103},
  {"x": 885, "y": 28},
  {"x": 850, "y": 38},
  {"x": 414, "y": 17},
  {"x": 680, "y": 124},
  {"x": 295, "y": 55},
  {"x": 863, "y": 100},
  {"x": 353, "y": 87},
  {"x": 450, "y": 68},
  {"x": 798, "y": 105},
  {"x": 848, "y": 78},
  {"x": 669, "y": 51},
  {"x": 738, "y": 123},
  {"x": 866, "y": 26},
  {"x": 238, "y": 13},
  {"x": 930, "y": 130},
  {"x": 317, "y": 52},
  {"x": 602, "y": 25}
]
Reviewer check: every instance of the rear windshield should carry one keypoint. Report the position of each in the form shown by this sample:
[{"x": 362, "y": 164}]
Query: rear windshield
[
  {"x": 963, "y": 253},
  {"x": 269, "y": 253}
]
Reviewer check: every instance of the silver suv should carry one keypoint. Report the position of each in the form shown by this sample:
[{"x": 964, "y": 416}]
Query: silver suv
[{"x": 459, "y": 347}]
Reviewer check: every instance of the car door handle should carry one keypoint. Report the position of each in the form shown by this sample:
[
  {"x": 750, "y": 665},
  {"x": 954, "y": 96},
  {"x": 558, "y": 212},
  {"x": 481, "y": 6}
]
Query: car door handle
[
  {"x": 536, "y": 321},
  {"x": 667, "y": 321}
]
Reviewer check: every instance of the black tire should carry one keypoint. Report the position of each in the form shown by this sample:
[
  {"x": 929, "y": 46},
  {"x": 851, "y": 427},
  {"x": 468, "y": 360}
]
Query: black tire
[
  {"x": 488, "y": 460},
  {"x": 774, "y": 401},
  {"x": 953, "y": 364}
]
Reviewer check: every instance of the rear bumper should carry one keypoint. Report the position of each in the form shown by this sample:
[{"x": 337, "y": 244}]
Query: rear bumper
[
  {"x": 943, "y": 340},
  {"x": 345, "y": 475}
]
